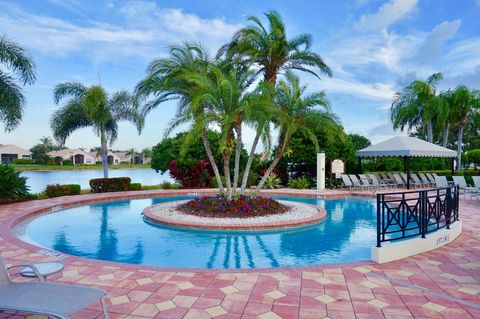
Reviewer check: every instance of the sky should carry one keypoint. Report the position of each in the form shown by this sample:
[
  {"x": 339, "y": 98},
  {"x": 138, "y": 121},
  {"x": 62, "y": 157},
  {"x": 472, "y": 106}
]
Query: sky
[{"x": 373, "y": 47}]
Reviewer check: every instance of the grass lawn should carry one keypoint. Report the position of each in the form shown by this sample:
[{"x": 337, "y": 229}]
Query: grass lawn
[{"x": 34, "y": 167}]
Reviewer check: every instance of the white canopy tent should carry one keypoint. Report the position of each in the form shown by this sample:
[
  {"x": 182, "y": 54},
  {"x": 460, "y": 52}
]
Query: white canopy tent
[{"x": 406, "y": 147}]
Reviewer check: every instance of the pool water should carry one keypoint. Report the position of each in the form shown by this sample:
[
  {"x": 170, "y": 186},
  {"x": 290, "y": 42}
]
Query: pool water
[{"x": 116, "y": 231}]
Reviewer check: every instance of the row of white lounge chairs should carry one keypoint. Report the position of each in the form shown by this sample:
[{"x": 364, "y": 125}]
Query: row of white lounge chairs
[{"x": 386, "y": 180}]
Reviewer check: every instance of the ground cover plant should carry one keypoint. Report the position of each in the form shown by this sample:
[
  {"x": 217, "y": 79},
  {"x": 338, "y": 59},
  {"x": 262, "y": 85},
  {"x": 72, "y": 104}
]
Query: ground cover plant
[{"x": 244, "y": 206}]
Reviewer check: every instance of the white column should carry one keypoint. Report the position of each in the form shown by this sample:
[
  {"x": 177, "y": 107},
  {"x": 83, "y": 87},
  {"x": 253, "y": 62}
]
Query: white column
[{"x": 320, "y": 171}]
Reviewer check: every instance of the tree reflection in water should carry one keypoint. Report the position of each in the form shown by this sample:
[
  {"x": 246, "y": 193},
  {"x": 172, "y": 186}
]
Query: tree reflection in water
[{"x": 107, "y": 247}]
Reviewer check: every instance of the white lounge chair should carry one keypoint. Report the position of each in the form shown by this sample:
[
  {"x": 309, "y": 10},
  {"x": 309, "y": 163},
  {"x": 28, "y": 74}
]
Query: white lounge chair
[
  {"x": 45, "y": 298},
  {"x": 476, "y": 181},
  {"x": 441, "y": 182},
  {"x": 347, "y": 183},
  {"x": 380, "y": 184},
  {"x": 460, "y": 181},
  {"x": 416, "y": 182},
  {"x": 398, "y": 179},
  {"x": 426, "y": 180},
  {"x": 356, "y": 182}
]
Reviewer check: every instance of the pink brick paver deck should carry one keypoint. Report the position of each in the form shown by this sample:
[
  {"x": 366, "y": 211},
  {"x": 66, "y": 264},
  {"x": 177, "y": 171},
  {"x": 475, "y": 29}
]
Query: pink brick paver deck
[{"x": 335, "y": 291}]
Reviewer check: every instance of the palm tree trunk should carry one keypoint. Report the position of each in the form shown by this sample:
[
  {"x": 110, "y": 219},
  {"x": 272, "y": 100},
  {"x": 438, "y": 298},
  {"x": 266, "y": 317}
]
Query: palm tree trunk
[
  {"x": 446, "y": 130},
  {"x": 226, "y": 171},
  {"x": 238, "y": 150},
  {"x": 278, "y": 156},
  {"x": 104, "y": 152},
  {"x": 206, "y": 145},
  {"x": 459, "y": 147},
  {"x": 430, "y": 131},
  {"x": 249, "y": 162}
]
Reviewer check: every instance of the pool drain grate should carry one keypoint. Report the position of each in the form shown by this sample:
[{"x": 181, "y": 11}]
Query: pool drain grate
[{"x": 424, "y": 290}]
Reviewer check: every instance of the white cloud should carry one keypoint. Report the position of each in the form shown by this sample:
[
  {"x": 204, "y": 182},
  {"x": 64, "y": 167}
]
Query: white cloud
[
  {"x": 435, "y": 41},
  {"x": 387, "y": 14},
  {"x": 148, "y": 29},
  {"x": 376, "y": 91}
]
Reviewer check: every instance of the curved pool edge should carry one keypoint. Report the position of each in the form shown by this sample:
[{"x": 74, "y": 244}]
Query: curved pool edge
[{"x": 31, "y": 209}]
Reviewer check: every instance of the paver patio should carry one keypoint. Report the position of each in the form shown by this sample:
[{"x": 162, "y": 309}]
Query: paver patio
[{"x": 358, "y": 290}]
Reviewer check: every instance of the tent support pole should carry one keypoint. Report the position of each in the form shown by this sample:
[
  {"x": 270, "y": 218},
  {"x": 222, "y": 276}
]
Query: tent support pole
[
  {"x": 360, "y": 165},
  {"x": 407, "y": 159}
]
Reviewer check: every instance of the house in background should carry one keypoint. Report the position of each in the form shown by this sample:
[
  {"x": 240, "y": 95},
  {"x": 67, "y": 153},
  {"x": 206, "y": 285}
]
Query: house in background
[
  {"x": 127, "y": 158},
  {"x": 10, "y": 152},
  {"x": 77, "y": 156}
]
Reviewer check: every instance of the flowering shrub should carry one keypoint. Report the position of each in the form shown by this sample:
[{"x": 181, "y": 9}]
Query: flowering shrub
[{"x": 243, "y": 207}]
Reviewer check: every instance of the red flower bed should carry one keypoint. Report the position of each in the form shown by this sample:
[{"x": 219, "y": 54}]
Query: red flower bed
[{"x": 243, "y": 207}]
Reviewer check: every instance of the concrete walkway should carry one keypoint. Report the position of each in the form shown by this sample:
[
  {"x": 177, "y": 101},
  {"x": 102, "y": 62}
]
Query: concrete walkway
[{"x": 444, "y": 283}]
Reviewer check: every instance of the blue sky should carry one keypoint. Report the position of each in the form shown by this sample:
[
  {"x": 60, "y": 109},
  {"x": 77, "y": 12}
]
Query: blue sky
[{"x": 373, "y": 47}]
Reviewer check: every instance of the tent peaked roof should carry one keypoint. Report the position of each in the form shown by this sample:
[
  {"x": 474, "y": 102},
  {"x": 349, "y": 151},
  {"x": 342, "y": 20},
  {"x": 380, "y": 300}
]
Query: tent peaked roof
[{"x": 401, "y": 146}]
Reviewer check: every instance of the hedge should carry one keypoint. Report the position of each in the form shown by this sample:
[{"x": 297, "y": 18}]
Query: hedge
[
  {"x": 116, "y": 184},
  {"x": 21, "y": 161},
  {"x": 135, "y": 186},
  {"x": 62, "y": 190}
]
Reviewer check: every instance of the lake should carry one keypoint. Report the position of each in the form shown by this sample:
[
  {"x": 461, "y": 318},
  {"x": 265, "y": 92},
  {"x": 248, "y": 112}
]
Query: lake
[{"x": 39, "y": 180}]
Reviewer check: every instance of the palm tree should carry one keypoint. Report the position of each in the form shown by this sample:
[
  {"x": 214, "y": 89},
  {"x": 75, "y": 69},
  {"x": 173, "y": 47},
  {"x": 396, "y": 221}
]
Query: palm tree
[
  {"x": 272, "y": 51},
  {"x": 445, "y": 114},
  {"x": 417, "y": 105},
  {"x": 131, "y": 152},
  {"x": 168, "y": 79},
  {"x": 12, "y": 100},
  {"x": 93, "y": 107},
  {"x": 466, "y": 104},
  {"x": 223, "y": 93},
  {"x": 297, "y": 114}
]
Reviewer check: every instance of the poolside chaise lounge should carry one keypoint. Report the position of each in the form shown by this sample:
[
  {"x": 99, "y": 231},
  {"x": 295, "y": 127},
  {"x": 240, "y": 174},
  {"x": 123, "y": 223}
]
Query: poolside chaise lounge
[
  {"x": 356, "y": 182},
  {"x": 476, "y": 181},
  {"x": 398, "y": 179},
  {"x": 379, "y": 184},
  {"x": 441, "y": 181},
  {"x": 416, "y": 181},
  {"x": 55, "y": 300},
  {"x": 460, "y": 181},
  {"x": 347, "y": 183},
  {"x": 426, "y": 180}
]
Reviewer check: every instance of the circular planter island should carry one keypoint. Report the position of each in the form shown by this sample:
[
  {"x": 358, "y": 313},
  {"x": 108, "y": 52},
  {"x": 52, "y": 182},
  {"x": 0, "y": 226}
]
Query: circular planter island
[{"x": 296, "y": 214}]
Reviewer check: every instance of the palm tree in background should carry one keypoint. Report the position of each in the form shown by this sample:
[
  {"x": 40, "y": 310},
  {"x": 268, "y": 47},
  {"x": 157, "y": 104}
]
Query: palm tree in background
[
  {"x": 271, "y": 50},
  {"x": 168, "y": 79},
  {"x": 466, "y": 104},
  {"x": 131, "y": 152},
  {"x": 93, "y": 107},
  {"x": 12, "y": 100},
  {"x": 298, "y": 113},
  {"x": 417, "y": 105}
]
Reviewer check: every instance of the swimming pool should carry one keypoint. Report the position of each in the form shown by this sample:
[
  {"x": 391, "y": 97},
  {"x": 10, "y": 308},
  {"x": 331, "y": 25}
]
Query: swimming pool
[{"x": 116, "y": 231}]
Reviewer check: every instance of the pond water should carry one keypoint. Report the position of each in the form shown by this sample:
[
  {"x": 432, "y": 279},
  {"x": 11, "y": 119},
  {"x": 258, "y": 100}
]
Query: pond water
[{"x": 39, "y": 180}]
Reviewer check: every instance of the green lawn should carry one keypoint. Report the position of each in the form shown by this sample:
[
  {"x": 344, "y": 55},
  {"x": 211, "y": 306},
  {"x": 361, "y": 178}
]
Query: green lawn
[{"x": 34, "y": 167}]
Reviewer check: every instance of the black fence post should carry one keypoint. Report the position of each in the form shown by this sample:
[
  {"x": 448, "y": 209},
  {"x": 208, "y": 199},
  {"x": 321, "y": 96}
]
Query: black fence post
[
  {"x": 448, "y": 206},
  {"x": 379, "y": 201},
  {"x": 423, "y": 213}
]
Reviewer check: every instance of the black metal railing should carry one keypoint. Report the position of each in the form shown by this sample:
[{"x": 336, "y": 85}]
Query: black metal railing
[{"x": 402, "y": 215}]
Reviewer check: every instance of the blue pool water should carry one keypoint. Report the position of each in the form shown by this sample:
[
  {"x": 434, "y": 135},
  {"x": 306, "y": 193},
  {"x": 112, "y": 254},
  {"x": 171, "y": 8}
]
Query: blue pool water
[{"x": 116, "y": 231}]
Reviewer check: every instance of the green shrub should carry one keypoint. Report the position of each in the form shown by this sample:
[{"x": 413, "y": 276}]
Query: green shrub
[
  {"x": 62, "y": 190},
  {"x": 116, "y": 184},
  {"x": 13, "y": 186},
  {"x": 166, "y": 185},
  {"x": 67, "y": 162},
  {"x": 21, "y": 161},
  {"x": 252, "y": 179},
  {"x": 215, "y": 184},
  {"x": 273, "y": 181},
  {"x": 135, "y": 186},
  {"x": 473, "y": 156},
  {"x": 300, "y": 183}
]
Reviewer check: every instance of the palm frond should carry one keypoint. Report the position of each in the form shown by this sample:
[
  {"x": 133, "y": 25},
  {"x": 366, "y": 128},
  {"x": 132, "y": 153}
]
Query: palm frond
[
  {"x": 12, "y": 102},
  {"x": 17, "y": 59},
  {"x": 67, "y": 119},
  {"x": 68, "y": 89}
]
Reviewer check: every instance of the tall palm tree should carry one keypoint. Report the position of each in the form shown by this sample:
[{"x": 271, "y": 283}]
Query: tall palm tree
[
  {"x": 466, "y": 104},
  {"x": 298, "y": 113},
  {"x": 445, "y": 115},
  {"x": 131, "y": 152},
  {"x": 12, "y": 100},
  {"x": 417, "y": 105},
  {"x": 168, "y": 79},
  {"x": 272, "y": 51},
  {"x": 93, "y": 107},
  {"x": 224, "y": 94}
]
